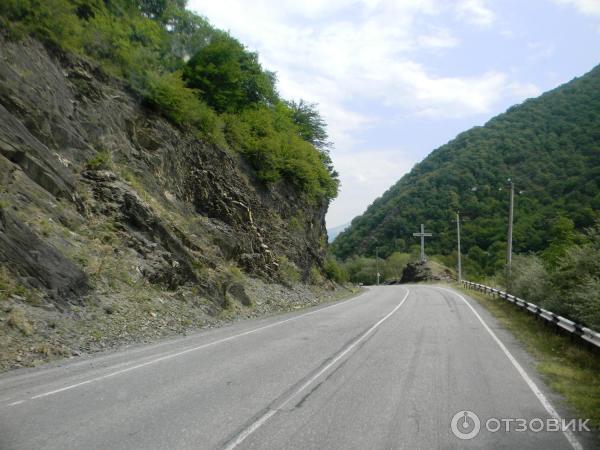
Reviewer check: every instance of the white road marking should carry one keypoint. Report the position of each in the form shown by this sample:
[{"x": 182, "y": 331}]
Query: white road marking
[
  {"x": 272, "y": 411},
  {"x": 538, "y": 393},
  {"x": 251, "y": 429},
  {"x": 174, "y": 355}
]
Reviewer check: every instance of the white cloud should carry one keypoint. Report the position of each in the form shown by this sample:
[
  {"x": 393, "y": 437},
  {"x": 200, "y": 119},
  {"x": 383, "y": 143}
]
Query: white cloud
[
  {"x": 365, "y": 176},
  {"x": 349, "y": 51},
  {"x": 439, "y": 38},
  {"x": 361, "y": 61},
  {"x": 588, "y": 7},
  {"x": 475, "y": 12}
]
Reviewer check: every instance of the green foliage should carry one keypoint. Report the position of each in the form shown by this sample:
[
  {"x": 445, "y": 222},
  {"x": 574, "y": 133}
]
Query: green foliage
[
  {"x": 315, "y": 277},
  {"x": 311, "y": 126},
  {"x": 530, "y": 279},
  {"x": 228, "y": 77},
  {"x": 149, "y": 43},
  {"x": 268, "y": 138},
  {"x": 549, "y": 146},
  {"x": 361, "y": 269},
  {"x": 395, "y": 264},
  {"x": 562, "y": 233},
  {"x": 569, "y": 286},
  {"x": 288, "y": 271},
  {"x": 334, "y": 271},
  {"x": 169, "y": 94},
  {"x": 52, "y": 21},
  {"x": 102, "y": 161}
]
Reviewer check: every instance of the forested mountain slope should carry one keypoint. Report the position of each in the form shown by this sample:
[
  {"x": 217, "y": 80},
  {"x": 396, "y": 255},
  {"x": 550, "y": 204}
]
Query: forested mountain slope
[{"x": 549, "y": 146}]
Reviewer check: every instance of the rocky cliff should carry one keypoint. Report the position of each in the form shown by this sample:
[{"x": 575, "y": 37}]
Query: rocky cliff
[{"x": 106, "y": 206}]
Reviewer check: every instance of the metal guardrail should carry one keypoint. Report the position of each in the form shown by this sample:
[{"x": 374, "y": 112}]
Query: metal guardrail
[{"x": 584, "y": 333}]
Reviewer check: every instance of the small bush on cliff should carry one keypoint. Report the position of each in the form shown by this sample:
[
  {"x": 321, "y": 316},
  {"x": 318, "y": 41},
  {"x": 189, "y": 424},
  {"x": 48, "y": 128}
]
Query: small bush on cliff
[
  {"x": 169, "y": 94},
  {"x": 101, "y": 161},
  {"x": 288, "y": 271}
]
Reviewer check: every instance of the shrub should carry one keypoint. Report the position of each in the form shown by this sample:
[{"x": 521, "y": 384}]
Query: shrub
[
  {"x": 102, "y": 161},
  {"x": 334, "y": 271},
  {"x": 530, "y": 279},
  {"x": 268, "y": 138},
  {"x": 586, "y": 303},
  {"x": 288, "y": 271},
  {"x": 169, "y": 94}
]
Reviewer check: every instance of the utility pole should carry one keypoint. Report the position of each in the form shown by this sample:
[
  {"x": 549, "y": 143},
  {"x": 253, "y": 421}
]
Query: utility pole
[
  {"x": 458, "y": 244},
  {"x": 509, "y": 238},
  {"x": 377, "y": 263}
]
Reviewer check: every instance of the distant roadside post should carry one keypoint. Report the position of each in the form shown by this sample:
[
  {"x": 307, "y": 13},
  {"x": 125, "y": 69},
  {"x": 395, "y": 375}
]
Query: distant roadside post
[
  {"x": 377, "y": 264},
  {"x": 422, "y": 235}
]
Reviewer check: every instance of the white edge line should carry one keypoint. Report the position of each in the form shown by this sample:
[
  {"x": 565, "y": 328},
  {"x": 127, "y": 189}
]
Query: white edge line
[
  {"x": 174, "y": 355},
  {"x": 271, "y": 412},
  {"x": 538, "y": 393}
]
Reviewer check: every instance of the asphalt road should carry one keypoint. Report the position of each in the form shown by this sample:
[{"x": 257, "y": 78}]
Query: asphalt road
[{"x": 387, "y": 369}]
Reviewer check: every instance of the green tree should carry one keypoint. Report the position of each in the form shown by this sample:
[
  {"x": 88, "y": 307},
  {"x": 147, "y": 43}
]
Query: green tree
[
  {"x": 228, "y": 77},
  {"x": 311, "y": 126}
]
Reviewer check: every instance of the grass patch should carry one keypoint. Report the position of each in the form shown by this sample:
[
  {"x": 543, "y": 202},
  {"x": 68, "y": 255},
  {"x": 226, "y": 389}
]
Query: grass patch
[
  {"x": 288, "y": 271},
  {"x": 9, "y": 287},
  {"x": 16, "y": 319},
  {"x": 569, "y": 367},
  {"x": 101, "y": 161}
]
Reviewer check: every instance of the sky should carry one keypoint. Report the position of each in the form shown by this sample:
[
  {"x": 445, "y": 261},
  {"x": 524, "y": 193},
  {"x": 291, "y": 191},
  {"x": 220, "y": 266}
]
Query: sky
[{"x": 395, "y": 79}]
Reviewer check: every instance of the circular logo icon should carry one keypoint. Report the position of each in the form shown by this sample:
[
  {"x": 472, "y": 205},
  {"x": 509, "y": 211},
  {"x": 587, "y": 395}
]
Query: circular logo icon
[{"x": 465, "y": 425}]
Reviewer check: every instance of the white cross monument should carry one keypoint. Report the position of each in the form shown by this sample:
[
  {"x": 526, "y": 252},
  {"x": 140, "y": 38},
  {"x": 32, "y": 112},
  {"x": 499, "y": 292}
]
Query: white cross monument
[{"x": 422, "y": 235}]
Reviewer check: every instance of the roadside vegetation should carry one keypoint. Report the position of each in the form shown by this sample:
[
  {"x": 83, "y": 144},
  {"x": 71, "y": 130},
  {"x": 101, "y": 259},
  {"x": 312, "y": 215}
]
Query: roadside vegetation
[
  {"x": 568, "y": 367},
  {"x": 199, "y": 77},
  {"x": 563, "y": 278}
]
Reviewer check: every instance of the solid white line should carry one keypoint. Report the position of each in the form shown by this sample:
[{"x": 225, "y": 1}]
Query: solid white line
[
  {"x": 183, "y": 352},
  {"x": 251, "y": 429},
  {"x": 271, "y": 412},
  {"x": 538, "y": 393}
]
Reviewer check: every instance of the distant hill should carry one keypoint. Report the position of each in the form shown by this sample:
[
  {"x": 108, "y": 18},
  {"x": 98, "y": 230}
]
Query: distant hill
[
  {"x": 332, "y": 233},
  {"x": 549, "y": 146}
]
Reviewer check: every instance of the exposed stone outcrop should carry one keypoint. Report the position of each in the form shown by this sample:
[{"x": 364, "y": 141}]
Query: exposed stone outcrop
[
  {"x": 38, "y": 264},
  {"x": 162, "y": 205},
  {"x": 417, "y": 272}
]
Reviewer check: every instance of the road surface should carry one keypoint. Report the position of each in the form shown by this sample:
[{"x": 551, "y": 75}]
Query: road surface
[{"x": 386, "y": 369}]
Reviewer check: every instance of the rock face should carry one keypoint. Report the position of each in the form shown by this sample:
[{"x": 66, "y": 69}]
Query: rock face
[
  {"x": 39, "y": 264},
  {"x": 98, "y": 191},
  {"x": 417, "y": 272}
]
